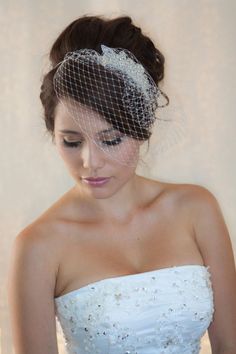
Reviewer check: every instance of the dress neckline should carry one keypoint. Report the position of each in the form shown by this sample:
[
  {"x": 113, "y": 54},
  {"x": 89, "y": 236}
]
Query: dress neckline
[{"x": 135, "y": 275}]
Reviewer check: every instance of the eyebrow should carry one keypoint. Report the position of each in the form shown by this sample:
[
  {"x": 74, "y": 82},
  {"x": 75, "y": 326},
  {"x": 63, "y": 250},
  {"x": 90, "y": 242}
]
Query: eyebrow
[{"x": 66, "y": 131}]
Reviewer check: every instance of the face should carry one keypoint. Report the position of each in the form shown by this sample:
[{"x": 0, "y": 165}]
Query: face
[{"x": 91, "y": 147}]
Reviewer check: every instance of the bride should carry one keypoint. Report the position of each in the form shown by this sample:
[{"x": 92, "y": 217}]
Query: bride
[{"x": 128, "y": 265}]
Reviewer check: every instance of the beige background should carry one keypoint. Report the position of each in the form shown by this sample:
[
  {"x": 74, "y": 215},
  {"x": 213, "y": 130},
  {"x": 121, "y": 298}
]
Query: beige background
[{"x": 198, "y": 40}]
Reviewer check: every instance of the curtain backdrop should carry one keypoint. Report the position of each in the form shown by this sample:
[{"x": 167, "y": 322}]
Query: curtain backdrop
[{"x": 198, "y": 41}]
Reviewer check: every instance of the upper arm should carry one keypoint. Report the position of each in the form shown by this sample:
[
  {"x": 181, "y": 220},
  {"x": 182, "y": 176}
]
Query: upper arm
[
  {"x": 30, "y": 289},
  {"x": 215, "y": 245}
]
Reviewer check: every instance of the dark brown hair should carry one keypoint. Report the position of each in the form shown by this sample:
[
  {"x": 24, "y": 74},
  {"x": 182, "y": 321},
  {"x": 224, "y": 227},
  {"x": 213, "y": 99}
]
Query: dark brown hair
[{"x": 91, "y": 32}]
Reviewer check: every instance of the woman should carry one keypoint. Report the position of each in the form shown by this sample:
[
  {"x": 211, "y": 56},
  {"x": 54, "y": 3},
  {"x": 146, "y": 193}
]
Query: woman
[{"x": 128, "y": 264}]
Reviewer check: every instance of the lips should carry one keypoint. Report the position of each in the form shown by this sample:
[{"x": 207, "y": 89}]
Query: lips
[{"x": 95, "y": 179}]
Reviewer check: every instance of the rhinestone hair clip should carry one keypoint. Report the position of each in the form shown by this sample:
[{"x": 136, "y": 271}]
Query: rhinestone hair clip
[{"x": 122, "y": 60}]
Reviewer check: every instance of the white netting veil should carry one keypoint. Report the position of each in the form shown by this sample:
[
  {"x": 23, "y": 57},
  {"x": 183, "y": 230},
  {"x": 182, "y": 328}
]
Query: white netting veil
[{"x": 112, "y": 99}]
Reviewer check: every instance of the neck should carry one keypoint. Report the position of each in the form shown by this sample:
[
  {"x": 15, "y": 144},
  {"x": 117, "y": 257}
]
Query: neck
[{"x": 119, "y": 207}]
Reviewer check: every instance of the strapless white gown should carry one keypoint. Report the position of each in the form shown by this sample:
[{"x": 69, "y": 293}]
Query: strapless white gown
[{"x": 162, "y": 311}]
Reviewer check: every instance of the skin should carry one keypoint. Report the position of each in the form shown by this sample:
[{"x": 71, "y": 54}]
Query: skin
[{"x": 130, "y": 225}]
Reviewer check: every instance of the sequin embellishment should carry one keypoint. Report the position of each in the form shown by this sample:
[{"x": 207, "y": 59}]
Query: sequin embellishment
[{"x": 164, "y": 311}]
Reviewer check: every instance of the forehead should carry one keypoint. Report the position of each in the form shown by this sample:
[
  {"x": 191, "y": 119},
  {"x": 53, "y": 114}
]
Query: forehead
[{"x": 80, "y": 118}]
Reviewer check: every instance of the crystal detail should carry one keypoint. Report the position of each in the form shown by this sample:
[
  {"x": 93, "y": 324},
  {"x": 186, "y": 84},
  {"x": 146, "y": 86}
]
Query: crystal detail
[
  {"x": 119, "y": 60},
  {"x": 169, "y": 313}
]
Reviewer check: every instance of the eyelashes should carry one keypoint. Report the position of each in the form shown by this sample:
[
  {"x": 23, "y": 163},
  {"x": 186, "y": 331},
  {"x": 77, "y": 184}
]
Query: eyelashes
[
  {"x": 72, "y": 145},
  {"x": 113, "y": 142},
  {"x": 76, "y": 144}
]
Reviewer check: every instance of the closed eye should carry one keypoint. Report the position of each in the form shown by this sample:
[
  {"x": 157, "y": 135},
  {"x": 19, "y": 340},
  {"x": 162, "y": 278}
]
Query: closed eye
[
  {"x": 75, "y": 144},
  {"x": 115, "y": 141},
  {"x": 71, "y": 144}
]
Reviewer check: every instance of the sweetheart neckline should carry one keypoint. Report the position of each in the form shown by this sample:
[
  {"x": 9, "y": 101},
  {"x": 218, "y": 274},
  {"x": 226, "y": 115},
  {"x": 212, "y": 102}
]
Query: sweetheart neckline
[{"x": 130, "y": 275}]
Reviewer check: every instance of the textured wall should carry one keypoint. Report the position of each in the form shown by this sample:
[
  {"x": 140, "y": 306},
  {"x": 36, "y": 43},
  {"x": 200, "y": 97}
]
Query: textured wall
[{"x": 198, "y": 40}]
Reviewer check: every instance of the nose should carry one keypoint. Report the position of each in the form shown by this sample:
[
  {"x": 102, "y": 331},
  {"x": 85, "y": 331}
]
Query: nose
[{"x": 91, "y": 156}]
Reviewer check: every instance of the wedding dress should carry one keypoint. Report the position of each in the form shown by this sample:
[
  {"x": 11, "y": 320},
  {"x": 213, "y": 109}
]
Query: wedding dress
[{"x": 163, "y": 311}]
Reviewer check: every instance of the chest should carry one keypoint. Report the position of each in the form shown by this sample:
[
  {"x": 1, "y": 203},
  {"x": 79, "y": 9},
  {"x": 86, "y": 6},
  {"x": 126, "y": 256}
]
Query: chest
[{"x": 149, "y": 241}]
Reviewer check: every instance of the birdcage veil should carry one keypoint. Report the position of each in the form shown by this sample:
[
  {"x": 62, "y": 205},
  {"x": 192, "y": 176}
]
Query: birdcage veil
[{"x": 115, "y": 88}]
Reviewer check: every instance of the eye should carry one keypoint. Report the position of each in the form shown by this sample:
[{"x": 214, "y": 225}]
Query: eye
[
  {"x": 75, "y": 144},
  {"x": 72, "y": 144},
  {"x": 115, "y": 141}
]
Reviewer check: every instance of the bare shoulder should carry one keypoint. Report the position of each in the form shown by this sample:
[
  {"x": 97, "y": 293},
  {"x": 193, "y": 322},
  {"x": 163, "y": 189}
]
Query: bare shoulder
[
  {"x": 47, "y": 228},
  {"x": 186, "y": 195},
  {"x": 195, "y": 195},
  {"x": 214, "y": 242},
  {"x": 199, "y": 205},
  {"x": 213, "y": 239},
  {"x": 187, "y": 191},
  {"x": 49, "y": 233},
  {"x": 42, "y": 238},
  {"x": 32, "y": 275},
  {"x": 204, "y": 209},
  {"x": 38, "y": 241}
]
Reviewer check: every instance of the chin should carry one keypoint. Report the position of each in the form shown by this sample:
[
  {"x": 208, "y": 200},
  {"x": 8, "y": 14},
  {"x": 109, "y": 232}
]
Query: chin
[{"x": 103, "y": 193}]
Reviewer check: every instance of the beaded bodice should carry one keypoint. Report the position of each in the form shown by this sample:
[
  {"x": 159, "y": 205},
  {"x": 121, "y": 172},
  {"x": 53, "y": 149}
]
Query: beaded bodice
[{"x": 156, "y": 312}]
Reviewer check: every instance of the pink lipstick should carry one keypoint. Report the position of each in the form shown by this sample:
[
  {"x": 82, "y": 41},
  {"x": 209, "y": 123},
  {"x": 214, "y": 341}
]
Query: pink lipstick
[{"x": 96, "y": 181}]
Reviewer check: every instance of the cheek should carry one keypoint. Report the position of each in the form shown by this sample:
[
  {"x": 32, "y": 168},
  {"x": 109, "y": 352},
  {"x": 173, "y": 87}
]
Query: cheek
[
  {"x": 62, "y": 151},
  {"x": 130, "y": 152},
  {"x": 124, "y": 159},
  {"x": 68, "y": 155},
  {"x": 127, "y": 164}
]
